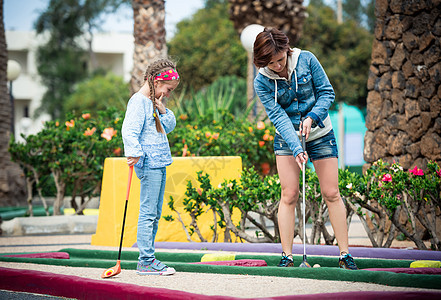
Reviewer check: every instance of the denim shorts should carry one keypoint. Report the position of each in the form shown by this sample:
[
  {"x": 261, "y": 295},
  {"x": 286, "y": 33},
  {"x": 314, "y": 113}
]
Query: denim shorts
[{"x": 323, "y": 147}]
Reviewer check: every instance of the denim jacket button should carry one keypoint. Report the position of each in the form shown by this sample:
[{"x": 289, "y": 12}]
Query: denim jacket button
[
  {"x": 295, "y": 99},
  {"x": 304, "y": 79}
]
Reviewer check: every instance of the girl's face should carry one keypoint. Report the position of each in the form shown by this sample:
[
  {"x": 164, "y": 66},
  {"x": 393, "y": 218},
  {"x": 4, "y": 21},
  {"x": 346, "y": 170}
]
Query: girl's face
[
  {"x": 278, "y": 62},
  {"x": 165, "y": 87}
]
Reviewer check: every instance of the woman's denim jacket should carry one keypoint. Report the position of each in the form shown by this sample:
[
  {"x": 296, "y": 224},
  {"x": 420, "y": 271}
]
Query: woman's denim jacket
[
  {"x": 308, "y": 93},
  {"x": 140, "y": 136}
]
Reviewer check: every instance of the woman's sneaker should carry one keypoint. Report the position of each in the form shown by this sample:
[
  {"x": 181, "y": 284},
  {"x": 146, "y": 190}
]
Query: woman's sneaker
[
  {"x": 347, "y": 262},
  {"x": 155, "y": 268},
  {"x": 286, "y": 261}
]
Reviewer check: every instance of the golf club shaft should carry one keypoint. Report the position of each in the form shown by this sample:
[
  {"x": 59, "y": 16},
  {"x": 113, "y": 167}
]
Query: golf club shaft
[
  {"x": 303, "y": 198},
  {"x": 125, "y": 211},
  {"x": 304, "y": 211}
]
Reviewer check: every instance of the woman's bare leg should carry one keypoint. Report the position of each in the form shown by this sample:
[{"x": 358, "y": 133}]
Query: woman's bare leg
[
  {"x": 327, "y": 172},
  {"x": 289, "y": 180}
]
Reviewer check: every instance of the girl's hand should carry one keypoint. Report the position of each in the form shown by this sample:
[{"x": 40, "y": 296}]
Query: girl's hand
[
  {"x": 305, "y": 127},
  {"x": 159, "y": 105},
  {"x": 132, "y": 160}
]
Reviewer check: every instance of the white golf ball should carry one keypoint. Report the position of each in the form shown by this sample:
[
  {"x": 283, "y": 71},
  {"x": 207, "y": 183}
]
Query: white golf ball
[{"x": 316, "y": 266}]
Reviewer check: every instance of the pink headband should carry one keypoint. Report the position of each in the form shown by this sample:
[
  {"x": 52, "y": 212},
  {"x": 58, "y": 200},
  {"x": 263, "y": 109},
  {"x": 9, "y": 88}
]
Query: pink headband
[{"x": 168, "y": 75}]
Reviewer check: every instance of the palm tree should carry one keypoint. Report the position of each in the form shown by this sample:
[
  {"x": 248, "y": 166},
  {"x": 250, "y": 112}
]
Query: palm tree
[
  {"x": 285, "y": 15},
  {"x": 149, "y": 34},
  {"x": 12, "y": 185}
]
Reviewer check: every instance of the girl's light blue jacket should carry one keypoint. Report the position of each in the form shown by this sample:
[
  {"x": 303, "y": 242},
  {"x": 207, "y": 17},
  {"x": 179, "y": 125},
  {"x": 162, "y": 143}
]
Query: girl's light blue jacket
[
  {"x": 307, "y": 93},
  {"x": 140, "y": 136}
]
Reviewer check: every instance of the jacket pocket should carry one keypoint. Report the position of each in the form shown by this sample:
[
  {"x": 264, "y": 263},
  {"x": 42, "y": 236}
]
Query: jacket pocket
[{"x": 305, "y": 89}]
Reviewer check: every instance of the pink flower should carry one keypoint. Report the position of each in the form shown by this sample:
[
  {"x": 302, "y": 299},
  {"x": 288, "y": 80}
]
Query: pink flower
[
  {"x": 260, "y": 125},
  {"x": 387, "y": 177},
  {"x": 416, "y": 171},
  {"x": 439, "y": 172},
  {"x": 69, "y": 124},
  {"x": 215, "y": 135},
  {"x": 86, "y": 116},
  {"x": 108, "y": 133},
  {"x": 89, "y": 131}
]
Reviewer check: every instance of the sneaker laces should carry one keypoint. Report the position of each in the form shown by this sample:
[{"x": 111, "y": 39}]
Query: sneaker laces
[
  {"x": 286, "y": 257},
  {"x": 349, "y": 260}
]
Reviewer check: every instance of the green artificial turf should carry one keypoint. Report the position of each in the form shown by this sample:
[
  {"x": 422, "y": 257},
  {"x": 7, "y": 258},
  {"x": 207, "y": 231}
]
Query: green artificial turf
[{"x": 182, "y": 263}]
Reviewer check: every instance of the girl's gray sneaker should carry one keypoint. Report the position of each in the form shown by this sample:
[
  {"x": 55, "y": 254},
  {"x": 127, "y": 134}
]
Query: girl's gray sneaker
[{"x": 155, "y": 268}]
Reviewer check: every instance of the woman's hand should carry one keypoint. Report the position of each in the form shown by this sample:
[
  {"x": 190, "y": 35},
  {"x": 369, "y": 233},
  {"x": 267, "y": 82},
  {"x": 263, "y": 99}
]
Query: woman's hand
[
  {"x": 132, "y": 160},
  {"x": 302, "y": 157},
  {"x": 305, "y": 127},
  {"x": 159, "y": 105}
]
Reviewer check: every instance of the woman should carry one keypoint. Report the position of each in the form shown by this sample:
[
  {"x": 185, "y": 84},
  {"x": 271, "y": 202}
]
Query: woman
[{"x": 292, "y": 86}]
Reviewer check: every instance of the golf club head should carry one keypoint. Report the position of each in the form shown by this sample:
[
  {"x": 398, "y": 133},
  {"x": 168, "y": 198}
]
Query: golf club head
[
  {"x": 112, "y": 271},
  {"x": 305, "y": 264}
]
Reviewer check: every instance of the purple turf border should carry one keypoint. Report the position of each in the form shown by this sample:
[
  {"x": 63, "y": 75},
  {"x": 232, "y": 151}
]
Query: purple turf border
[{"x": 328, "y": 250}]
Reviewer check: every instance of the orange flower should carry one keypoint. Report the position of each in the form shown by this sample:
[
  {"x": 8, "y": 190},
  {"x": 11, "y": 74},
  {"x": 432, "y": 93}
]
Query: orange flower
[
  {"x": 89, "y": 131},
  {"x": 70, "y": 124},
  {"x": 117, "y": 151},
  {"x": 199, "y": 192},
  {"x": 108, "y": 133},
  {"x": 265, "y": 168},
  {"x": 261, "y": 143},
  {"x": 216, "y": 135},
  {"x": 57, "y": 123},
  {"x": 250, "y": 129},
  {"x": 260, "y": 125},
  {"x": 86, "y": 116},
  {"x": 207, "y": 135},
  {"x": 266, "y": 137},
  {"x": 184, "y": 151},
  {"x": 183, "y": 117}
]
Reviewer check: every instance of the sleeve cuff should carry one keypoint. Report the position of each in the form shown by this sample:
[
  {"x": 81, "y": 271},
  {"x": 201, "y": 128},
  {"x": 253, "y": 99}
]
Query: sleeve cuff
[{"x": 316, "y": 119}]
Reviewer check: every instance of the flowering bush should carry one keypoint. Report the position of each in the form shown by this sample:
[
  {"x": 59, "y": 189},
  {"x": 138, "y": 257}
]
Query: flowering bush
[
  {"x": 388, "y": 198},
  {"x": 380, "y": 198},
  {"x": 227, "y": 137},
  {"x": 72, "y": 153}
]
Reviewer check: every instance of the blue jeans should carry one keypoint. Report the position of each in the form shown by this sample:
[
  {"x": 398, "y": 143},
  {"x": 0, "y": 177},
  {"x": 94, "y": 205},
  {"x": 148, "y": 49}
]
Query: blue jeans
[
  {"x": 324, "y": 147},
  {"x": 150, "y": 209}
]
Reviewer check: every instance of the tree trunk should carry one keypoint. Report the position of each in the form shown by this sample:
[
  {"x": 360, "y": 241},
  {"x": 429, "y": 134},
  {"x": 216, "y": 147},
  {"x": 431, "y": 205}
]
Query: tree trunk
[
  {"x": 149, "y": 34},
  {"x": 285, "y": 15},
  {"x": 12, "y": 181}
]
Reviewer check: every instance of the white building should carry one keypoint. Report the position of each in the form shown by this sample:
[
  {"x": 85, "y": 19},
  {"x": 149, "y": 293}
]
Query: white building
[{"x": 113, "y": 52}]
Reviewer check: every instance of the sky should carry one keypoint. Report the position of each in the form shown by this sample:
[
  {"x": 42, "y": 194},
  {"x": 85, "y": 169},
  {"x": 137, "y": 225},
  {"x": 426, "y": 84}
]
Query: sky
[{"x": 20, "y": 15}]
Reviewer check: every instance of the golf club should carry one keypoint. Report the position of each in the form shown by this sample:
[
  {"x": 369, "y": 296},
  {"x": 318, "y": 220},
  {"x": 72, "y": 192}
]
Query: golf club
[
  {"x": 117, "y": 268},
  {"x": 304, "y": 264}
]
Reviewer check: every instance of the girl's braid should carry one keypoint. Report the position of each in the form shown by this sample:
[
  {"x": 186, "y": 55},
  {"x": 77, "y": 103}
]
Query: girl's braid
[{"x": 154, "y": 69}]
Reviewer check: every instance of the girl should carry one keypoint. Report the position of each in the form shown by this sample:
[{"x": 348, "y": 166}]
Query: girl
[
  {"x": 146, "y": 125},
  {"x": 292, "y": 85}
]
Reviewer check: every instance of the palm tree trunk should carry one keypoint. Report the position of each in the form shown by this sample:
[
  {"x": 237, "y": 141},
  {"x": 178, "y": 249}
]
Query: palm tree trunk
[
  {"x": 12, "y": 182},
  {"x": 149, "y": 34}
]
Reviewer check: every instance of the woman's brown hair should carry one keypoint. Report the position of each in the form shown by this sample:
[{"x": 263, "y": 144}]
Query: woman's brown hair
[
  {"x": 268, "y": 43},
  {"x": 154, "y": 69}
]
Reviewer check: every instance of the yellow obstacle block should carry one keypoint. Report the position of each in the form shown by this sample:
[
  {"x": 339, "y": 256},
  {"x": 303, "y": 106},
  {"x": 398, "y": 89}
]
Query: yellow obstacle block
[
  {"x": 426, "y": 264},
  {"x": 113, "y": 193},
  {"x": 218, "y": 257}
]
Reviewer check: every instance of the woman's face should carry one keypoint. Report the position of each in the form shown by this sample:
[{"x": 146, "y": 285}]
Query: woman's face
[
  {"x": 278, "y": 62},
  {"x": 165, "y": 87}
]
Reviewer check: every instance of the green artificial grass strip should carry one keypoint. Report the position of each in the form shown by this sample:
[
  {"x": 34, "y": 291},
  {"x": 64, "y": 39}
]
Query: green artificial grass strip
[{"x": 182, "y": 262}]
